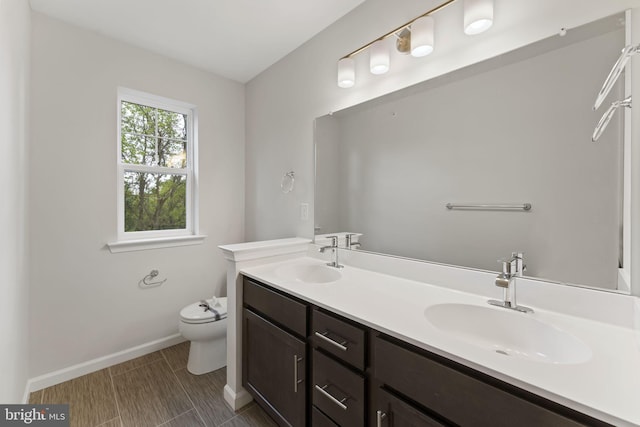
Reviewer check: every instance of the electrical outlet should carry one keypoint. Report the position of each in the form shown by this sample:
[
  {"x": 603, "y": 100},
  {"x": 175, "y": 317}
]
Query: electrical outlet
[{"x": 304, "y": 211}]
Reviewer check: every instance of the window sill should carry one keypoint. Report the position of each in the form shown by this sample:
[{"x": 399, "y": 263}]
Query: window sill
[{"x": 156, "y": 243}]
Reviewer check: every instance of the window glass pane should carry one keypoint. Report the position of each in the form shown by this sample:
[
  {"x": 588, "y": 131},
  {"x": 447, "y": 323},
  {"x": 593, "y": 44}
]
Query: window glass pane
[
  {"x": 172, "y": 125},
  {"x": 138, "y": 119},
  {"x": 154, "y": 201},
  {"x": 153, "y": 137},
  {"x": 172, "y": 139},
  {"x": 172, "y": 153},
  {"x": 138, "y": 149}
]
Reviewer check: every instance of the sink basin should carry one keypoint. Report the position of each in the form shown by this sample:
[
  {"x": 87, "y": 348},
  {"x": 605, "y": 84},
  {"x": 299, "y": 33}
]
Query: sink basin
[
  {"x": 508, "y": 333},
  {"x": 309, "y": 273}
]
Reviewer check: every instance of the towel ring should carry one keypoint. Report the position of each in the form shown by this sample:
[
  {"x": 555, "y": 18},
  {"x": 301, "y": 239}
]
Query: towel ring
[
  {"x": 287, "y": 182},
  {"x": 147, "y": 281}
]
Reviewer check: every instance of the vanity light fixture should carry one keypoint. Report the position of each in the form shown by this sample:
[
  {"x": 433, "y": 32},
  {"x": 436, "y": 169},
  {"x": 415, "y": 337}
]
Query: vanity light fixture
[
  {"x": 346, "y": 72},
  {"x": 478, "y": 16},
  {"x": 379, "y": 57},
  {"x": 422, "y": 36},
  {"x": 416, "y": 36}
]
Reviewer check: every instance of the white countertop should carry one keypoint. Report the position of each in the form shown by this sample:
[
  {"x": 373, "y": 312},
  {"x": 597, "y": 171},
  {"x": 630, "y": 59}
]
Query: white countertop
[{"x": 606, "y": 386}]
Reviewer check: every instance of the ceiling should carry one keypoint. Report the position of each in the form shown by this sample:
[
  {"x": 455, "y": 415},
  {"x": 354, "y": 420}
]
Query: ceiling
[{"x": 237, "y": 39}]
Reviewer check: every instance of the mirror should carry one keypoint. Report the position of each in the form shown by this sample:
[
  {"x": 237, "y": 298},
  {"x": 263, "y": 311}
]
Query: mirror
[{"x": 512, "y": 130}]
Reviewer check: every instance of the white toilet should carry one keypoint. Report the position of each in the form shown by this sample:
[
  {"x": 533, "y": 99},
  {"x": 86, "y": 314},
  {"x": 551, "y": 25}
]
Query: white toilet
[{"x": 207, "y": 330}]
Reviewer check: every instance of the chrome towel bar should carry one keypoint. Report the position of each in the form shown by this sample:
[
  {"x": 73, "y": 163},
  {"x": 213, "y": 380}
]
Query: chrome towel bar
[{"x": 522, "y": 206}]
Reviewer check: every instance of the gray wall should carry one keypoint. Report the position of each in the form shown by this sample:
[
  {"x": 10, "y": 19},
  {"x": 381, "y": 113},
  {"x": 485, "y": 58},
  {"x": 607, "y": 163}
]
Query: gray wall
[
  {"x": 519, "y": 133},
  {"x": 15, "y": 27},
  {"x": 85, "y": 301}
]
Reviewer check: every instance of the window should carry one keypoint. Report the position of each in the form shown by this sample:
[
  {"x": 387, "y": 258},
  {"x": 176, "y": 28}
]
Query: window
[{"x": 156, "y": 173}]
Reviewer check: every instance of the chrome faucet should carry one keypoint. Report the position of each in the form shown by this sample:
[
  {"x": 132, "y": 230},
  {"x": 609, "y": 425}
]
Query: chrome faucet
[
  {"x": 511, "y": 269},
  {"x": 334, "y": 247},
  {"x": 349, "y": 243}
]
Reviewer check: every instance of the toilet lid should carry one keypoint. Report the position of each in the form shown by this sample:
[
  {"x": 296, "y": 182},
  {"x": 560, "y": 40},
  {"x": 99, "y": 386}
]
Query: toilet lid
[{"x": 193, "y": 313}]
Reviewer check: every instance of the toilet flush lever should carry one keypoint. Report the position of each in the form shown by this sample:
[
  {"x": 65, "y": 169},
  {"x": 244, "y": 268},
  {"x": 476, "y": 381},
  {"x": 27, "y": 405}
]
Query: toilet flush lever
[{"x": 204, "y": 304}]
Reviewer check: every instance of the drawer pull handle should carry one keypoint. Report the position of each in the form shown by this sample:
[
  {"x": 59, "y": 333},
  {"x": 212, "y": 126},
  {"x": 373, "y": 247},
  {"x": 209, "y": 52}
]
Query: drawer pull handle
[
  {"x": 324, "y": 336},
  {"x": 330, "y": 397},
  {"x": 379, "y": 417},
  {"x": 296, "y": 381}
]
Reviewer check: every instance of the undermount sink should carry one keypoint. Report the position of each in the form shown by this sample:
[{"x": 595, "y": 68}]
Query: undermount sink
[
  {"x": 309, "y": 273},
  {"x": 508, "y": 333}
]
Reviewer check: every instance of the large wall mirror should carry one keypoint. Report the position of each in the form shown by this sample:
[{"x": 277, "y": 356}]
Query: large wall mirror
[{"x": 512, "y": 130}]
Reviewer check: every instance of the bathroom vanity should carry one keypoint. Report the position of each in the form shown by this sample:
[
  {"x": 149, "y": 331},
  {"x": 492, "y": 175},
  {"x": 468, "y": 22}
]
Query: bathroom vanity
[
  {"x": 387, "y": 341},
  {"x": 309, "y": 366}
]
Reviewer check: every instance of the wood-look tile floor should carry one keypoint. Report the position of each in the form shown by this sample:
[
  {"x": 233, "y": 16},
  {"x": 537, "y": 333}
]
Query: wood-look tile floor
[{"x": 151, "y": 391}]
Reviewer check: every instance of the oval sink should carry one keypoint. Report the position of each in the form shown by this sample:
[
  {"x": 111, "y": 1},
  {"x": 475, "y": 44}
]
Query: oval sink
[
  {"x": 508, "y": 333},
  {"x": 309, "y": 273}
]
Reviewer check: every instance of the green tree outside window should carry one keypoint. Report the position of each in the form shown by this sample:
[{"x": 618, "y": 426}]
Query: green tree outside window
[{"x": 157, "y": 138}]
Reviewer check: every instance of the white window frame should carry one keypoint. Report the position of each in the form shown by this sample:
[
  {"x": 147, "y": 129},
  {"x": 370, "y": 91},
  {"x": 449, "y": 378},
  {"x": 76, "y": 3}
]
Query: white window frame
[{"x": 152, "y": 239}]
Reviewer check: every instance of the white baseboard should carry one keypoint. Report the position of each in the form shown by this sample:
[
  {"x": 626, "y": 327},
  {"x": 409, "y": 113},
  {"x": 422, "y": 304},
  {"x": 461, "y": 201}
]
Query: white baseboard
[
  {"x": 236, "y": 399},
  {"x": 25, "y": 396},
  {"x": 624, "y": 280},
  {"x": 66, "y": 374}
]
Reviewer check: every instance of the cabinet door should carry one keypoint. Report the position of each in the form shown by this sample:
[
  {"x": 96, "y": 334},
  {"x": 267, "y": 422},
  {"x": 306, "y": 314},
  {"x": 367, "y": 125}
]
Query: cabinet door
[
  {"x": 392, "y": 412},
  {"x": 318, "y": 419},
  {"x": 274, "y": 369}
]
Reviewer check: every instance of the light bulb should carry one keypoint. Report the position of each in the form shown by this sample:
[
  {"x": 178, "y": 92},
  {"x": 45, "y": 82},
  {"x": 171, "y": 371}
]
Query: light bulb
[
  {"x": 346, "y": 72},
  {"x": 422, "y": 36},
  {"x": 478, "y": 16},
  {"x": 379, "y": 58}
]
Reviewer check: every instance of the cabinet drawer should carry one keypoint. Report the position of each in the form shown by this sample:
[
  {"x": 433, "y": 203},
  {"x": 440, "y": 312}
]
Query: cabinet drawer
[
  {"x": 338, "y": 391},
  {"x": 318, "y": 419},
  {"x": 456, "y": 396},
  {"x": 338, "y": 338},
  {"x": 393, "y": 412},
  {"x": 283, "y": 310}
]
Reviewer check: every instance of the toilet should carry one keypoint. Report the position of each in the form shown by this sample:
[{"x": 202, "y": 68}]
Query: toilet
[{"x": 207, "y": 331}]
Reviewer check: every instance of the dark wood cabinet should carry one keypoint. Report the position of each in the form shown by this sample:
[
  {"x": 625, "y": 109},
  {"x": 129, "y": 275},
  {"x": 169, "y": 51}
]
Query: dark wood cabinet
[
  {"x": 391, "y": 411},
  {"x": 330, "y": 371},
  {"x": 458, "y": 395},
  {"x": 288, "y": 313},
  {"x": 318, "y": 419},
  {"x": 340, "y": 338},
  {"x": 274, "y": 368},
  {"x": 338, "y": 391},
  {"x": 338, "y": 368}
]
